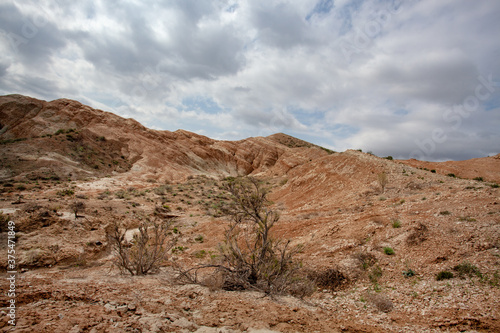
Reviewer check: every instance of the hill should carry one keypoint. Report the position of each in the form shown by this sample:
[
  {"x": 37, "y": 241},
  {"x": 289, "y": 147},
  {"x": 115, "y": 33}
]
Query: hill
[{"x": 379, "y": 249}]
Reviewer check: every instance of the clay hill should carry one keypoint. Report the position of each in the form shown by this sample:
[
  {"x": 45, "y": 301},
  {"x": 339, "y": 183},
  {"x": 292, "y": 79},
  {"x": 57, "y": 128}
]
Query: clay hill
[{"x": 402, "y": 246}]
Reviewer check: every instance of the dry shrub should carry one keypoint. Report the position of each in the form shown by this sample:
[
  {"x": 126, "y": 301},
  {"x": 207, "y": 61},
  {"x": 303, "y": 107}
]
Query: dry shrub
[
  {"x": 381, "y": 302},
  {"x": 147, "y": 250},
  {"x": 418, "y": 234},
  {"x": 366, "y": 259},
  {"x": 330, "y": 278},
  {"x": 250, "y": 257},
  {"x": 382, "y": 180}
]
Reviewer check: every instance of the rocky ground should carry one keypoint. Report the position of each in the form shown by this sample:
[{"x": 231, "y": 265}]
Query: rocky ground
[{"x": 432, "y": 222}]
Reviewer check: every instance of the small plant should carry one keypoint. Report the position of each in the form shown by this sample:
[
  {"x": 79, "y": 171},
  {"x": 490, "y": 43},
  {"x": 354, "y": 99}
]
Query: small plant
[
  {"x": 200, "y": 254},
  {"x": 366, "y": 259},
  {"x": 445, "y": 212},
  {"x": 389, "y": 251},
  {"x": 494, "y": 185},
  {"x": 382, "y": 180},
  {"x": 76, "y": 207},
  {"x": 199, "y": 239},
  {"x": 68, "y": 192},
  {"x": 396, "y": 223},
  {"x": 468, "y": 269},
  {"x": 452, "y": 175},
  {"x": 433, "y": 171},
  {"x": 466, "y": 219},
  {"x": 444, "y": 275},
  {"x": 479, "y": 179},
  {"x": 330, "y": 278},
  {"x": 408, "y": 273},
  {"x": 375, "y": 274}
]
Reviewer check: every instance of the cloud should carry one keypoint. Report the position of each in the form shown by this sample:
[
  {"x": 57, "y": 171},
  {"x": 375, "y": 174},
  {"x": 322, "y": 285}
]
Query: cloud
[{"x": 377, "y": 75}]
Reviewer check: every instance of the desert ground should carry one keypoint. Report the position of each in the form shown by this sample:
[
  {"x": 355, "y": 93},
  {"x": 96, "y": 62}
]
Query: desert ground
[{"x": 388, "y": 229}]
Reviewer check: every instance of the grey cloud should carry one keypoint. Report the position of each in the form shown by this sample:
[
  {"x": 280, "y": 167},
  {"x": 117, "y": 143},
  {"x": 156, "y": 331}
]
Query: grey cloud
[
  {"x": 33, "y": 39},
  {"x": 280, "y": 26}
]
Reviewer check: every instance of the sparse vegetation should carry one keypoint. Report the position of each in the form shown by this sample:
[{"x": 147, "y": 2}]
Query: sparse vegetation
[
  {"x": 408, "y": 273},
  {"x": 389, "y": 251},
  {"x": 66, "y": 192},
  {"x": 330, "y": 278},
  {"x": 76, "y": 207},
  {"x": 146, "y": 251},
  {"x": 382, "y": 180},
  {"x": 250, "y": 257},
  {"x": 444, "y": 275},
  {"x": 467, "y": 269},
  {"x": 396, "y": 223}
]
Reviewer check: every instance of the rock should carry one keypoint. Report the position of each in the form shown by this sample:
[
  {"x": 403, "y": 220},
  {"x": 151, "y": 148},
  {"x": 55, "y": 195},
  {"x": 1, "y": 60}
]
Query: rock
[{"x": 184, "y": 323}]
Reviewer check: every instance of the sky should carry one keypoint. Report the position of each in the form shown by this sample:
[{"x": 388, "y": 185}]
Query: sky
[{"x": 407, "y": 78}]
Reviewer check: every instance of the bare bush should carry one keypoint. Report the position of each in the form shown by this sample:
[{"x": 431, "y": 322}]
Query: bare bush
[
  {"x": 382, "y": 180},
  {"x": 250, "y": 257},
  {"x": 76, "y": 207},
  {"x": 147, "y": 250},
  {"x": 330, "y": 278}
]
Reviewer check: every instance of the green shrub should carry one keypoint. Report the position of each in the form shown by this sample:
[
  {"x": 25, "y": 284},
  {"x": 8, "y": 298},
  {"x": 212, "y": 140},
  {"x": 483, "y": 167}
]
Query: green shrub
[
  {"x": 467, "y": 269},
  {"x": 445, "y": 212},
  {"x": 479, "y": 179},
  {"x": 389, "y": 251},
  {"x": 444, "y": 275},
  {"x": 408, "y": 273},
  {"x": 396, "y": 223},
  {"x": 451, "y": 175},
  {"x": 65, "y": 192}
]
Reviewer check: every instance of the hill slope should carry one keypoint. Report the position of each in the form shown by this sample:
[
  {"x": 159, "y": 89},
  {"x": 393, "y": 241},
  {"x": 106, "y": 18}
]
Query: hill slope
[
  {"x": 66, "y": 139},
  {"x": 331, "y": 203}
]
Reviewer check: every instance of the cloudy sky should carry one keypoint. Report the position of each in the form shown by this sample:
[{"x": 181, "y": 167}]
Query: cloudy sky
[{"x": 405, "y": 78}]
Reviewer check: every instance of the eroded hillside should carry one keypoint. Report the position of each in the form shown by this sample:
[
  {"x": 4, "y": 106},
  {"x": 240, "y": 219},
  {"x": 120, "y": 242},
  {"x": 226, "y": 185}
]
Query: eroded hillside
[{"x": 385, "y": 246}]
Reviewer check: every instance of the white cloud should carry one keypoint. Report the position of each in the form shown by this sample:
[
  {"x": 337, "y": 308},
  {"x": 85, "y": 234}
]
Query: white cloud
[{"x": 378, "y": 75}]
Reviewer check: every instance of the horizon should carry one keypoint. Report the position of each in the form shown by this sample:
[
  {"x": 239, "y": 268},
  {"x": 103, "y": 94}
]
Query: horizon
[{"x": 409, "y": 79}]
